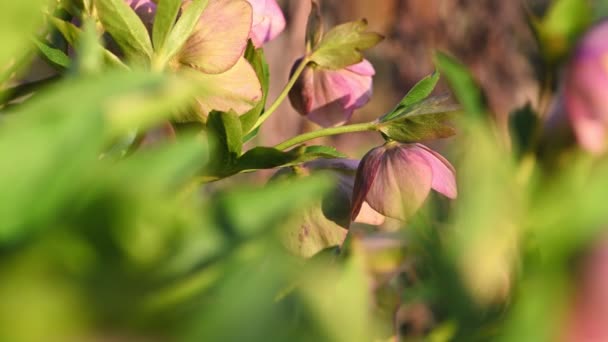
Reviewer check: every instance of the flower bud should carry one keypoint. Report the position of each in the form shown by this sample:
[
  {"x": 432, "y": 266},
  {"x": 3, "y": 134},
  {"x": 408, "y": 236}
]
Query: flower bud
[
  {"x": 329, "y": 97},
  {"x": 268, "y": 21},
  {"x": 586, "y": 90},
  {"x": 396, "y": 178}
]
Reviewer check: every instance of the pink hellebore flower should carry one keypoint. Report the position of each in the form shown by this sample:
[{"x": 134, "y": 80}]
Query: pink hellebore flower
[
  {"x": 396, "y": 178},
  {"x": 586, "y": 90},
  {"x": 329, "y": 97},
  {"x": 213, "y": 55},
  {"x": 268, "y": 21},
  {"x": 589, "y": 313}
]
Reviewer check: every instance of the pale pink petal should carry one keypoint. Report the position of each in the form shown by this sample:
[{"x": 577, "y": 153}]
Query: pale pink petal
[
  {"x": 402, "y": 184},
  {"x": 363, "y": 68},
  {"x": 368, "y": 215},
  {"x": 395, "y": 180},
  {"x": 220, "y": 37},
  {"x": 329, "y": 97},
  {"x": 237, "y": 89},
  {"x": 268, "y": 21},
  {"x": 444, "y": 178},
  {"x": 586, "y": 100}
]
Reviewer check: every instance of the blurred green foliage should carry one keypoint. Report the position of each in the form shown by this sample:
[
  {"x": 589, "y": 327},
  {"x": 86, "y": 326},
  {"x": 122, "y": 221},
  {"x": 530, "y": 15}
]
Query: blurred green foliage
[{"x": 101, "y": 242}]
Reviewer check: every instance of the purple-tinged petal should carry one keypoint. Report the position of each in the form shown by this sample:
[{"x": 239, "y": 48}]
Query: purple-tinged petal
[
  {"x": 237, "y": 89},
  {"x": 586, "y": 90},
  {"x": 366, "y": 174},
  {"x": 395, "y": 179},
  {"x": 220, "y": 37},
  {"x": 586, "y": 100},
  {"x": 268, "y": 21},
  {"x": 444, "y": 178},
  {"x": 401, "y": 185},
  {"x": 329, "y": 97}
]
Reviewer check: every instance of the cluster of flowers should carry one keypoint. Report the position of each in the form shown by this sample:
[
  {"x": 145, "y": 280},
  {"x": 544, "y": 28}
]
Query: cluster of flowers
[{"x": 393, "y": 180}]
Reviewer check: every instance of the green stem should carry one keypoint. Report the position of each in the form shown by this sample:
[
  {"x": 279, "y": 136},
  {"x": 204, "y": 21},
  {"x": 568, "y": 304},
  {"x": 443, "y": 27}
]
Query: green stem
[
  {"x": 282, "y": 96},
  {"x": 362, "y": 127}
]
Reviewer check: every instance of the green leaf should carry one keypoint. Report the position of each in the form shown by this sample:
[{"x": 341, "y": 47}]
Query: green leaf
[
  {"x": 258, "y": 62},
  {"x": 426, "y": 120},
  {"x": 560, "y": 28},
  {"x": 523, "y": 124},
  {"x": 418, "y": 93},
  {"x": 129, "y": 32},
  {"x": 248, "y": 212},
  {"x": 342, "y": 45},
  {"x": 183, "y": 28},
  {"x": 52, "y": 55},
  {"x": 18, "y": 21},
  {"x": 251, "y": 134},
  {"x": 225, "y": 129},
  {"x": 59, "y": 144},
  {"x": 166, "y": 14},
  {"x": 268, "y": 158},
  {"x": 90, "y": 56},
  {"x": 462, "y": 83},
  {"x": 73, "y": 35},
  {"x": 314, "y": 26}
]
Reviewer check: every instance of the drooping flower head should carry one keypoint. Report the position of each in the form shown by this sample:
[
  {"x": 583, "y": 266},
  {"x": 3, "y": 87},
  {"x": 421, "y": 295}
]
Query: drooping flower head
[
  {"x": 586, "y": 90},
  {"x": 329, "y": 97},
  {"x": 396, "y": 178},
  {"x": 268, "y": 21}
]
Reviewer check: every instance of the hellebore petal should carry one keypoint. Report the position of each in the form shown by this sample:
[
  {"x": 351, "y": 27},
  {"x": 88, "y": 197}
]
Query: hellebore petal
[
  {"x": 444, "y": 179},
  {"x": 586, "y": 90},
  {"x": 268, "y": 21},
  {"x": 395, "y": 179},
  {"x": 589, "y": 310},
  {"x": 237, "y": 89},
  {"x": 325, "y": 224},
  {"x": 220, "y": 37},
  {"x": 329, "y": 97}
]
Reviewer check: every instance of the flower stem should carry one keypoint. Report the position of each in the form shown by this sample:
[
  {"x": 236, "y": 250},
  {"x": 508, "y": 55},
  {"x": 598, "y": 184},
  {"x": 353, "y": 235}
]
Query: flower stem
[
  {"x": 292, "y": 81},
  {"x": 361, "y": 127}
]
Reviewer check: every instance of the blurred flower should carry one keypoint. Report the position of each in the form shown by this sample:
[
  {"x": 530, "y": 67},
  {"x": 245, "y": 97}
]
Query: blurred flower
[
  {"x": 586, "y": 89},
  {"x": 396, "y": 178},
  {"x": 268, "y": 21},
  {"x": 589, "y": 314},
  {"x": 329, "y": 97},
  {"x": 325, "y": 224}
]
